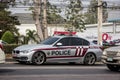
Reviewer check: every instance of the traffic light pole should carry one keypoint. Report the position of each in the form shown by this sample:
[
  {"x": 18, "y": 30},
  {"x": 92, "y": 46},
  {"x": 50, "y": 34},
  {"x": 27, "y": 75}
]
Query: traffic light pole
[{"x": 99, "y": 22}]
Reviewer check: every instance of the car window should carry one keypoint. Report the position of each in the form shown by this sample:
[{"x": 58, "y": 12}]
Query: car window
[
  {"x": 65, "y": 41},
  {"x": 78, "y": 41},
  {"x": 85, "y": 42},
  {"x": 50, "y": 40},
  {"x": 94, "y": 41}
]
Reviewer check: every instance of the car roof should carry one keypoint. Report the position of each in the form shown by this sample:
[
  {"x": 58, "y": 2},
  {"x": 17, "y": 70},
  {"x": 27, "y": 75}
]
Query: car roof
[
  {"x": 91, "y": 43},
  {"x": 72, "y": 36},
  {"x": 65, "y": 36}
]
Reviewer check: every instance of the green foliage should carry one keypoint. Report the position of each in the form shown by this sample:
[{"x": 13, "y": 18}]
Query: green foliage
[
  {"x": 8, "y": 48},
  {"x": 74, "y": 18},
  {"x": 91, "y": 15},
  {"x": 7, "y": 22},
  {"x": 8, "y": 37},
  {"x": 31, "y": 36},
  {"x": 53, "y": 16}
]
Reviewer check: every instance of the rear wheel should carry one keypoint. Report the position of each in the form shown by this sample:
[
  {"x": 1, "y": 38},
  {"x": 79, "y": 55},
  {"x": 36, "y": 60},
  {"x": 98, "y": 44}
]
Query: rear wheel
[
  {"x": 89, "y": 59},
  {"x": 38, "y": 58},
  {"x": 113, "y": 67}
]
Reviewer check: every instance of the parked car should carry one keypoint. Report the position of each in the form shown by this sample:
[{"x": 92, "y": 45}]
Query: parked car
[
  {"x": 65, "y": 49},
  {"x": 111, "y": 57},
  {"x": 3, "y": 42},
  {"x": 105, "y": 43},
  {"x": 2, "y": 54}
]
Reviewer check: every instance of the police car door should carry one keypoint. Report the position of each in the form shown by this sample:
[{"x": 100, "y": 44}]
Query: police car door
[
  {"x": 80, "y": 47},
  {"x": 63, "y": 51}
]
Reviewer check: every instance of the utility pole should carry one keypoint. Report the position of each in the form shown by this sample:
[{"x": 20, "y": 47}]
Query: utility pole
[
  {"x": 99, "y": 22},
  {"x": 45, "y": 19}
]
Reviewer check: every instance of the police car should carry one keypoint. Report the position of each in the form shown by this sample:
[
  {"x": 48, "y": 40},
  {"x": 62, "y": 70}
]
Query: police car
[{"x": 65, "y": 49}]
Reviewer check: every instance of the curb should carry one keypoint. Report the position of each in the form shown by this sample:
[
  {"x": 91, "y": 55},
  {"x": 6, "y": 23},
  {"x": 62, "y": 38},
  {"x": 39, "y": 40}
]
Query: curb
[{"x": 9, "y": 59}]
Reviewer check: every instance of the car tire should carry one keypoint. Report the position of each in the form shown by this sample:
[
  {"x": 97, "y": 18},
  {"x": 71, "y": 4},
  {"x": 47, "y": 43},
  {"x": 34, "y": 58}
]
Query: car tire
[
  {"x": 113, "y": 67},
  {"x": 38, "y": 58},
  {"x": 89, "y": 59}
]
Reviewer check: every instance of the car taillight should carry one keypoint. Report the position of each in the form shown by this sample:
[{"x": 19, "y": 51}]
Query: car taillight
[{"x": 1, "y": 46}]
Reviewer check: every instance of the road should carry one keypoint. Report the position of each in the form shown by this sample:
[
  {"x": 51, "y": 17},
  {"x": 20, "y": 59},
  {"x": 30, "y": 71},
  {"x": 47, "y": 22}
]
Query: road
[{"x": 16, "y": 71}]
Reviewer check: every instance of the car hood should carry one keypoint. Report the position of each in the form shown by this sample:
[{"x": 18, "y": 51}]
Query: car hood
[
  {"x": 116, "y": 48},
  {"x": 32, "y": 47}
]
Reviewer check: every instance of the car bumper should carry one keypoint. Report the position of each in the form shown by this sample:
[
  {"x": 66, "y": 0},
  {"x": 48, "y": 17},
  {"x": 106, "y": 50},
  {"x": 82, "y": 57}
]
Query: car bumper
[
  {"x": 112, "y": 61},
  {"x": 23, "y": 56}
]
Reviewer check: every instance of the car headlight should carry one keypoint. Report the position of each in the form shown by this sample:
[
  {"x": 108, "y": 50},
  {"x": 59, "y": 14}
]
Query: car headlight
[
  {"x": 104, "y": 52},
  {"x": 25, "y": 51}
]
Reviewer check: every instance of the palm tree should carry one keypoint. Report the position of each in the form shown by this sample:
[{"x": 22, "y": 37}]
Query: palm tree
[{"x": 32, "y": 35}]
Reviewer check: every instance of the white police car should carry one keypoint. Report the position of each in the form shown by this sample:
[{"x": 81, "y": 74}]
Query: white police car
[{"x": 65, "y": 49}]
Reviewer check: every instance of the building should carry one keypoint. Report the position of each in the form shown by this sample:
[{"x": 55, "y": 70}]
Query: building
[{"x": 112, "y": 28}]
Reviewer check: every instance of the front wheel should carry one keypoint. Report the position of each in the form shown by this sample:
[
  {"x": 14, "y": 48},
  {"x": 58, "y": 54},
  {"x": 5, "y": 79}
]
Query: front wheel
[
  {"x": 38, "y": 58},
  {"x": 89, "y": 59},
  {"x": 113, "y": 67}
]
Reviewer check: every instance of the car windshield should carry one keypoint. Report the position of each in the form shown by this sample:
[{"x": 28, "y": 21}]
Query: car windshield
[{"x": 49, "y": 40}]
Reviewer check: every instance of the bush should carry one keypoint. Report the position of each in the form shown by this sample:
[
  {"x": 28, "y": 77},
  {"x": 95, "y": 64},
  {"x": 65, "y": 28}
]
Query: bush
[
  {"x": 8, "y": 37},
  {"x": 8, "y": 48}
]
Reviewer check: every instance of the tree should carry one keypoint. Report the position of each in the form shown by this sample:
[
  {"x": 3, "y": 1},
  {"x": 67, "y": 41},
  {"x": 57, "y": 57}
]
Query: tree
[
  {"x": 8, "y": 37},
  {"x": 7, "y": 21},
  {"x": 44, "y": 13},
  {"x": 73, "y": 16},
  {"x": 32, "y": 35},
  {"x": 91, "y": 14},
  {"x": 53, "y": 16},
  {"x": 38, "y": 20}
]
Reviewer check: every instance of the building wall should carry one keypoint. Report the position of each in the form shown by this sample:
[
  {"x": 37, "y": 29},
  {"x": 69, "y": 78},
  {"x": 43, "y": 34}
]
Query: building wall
[
  {"x": 106, "y": 28},
  {"x": 91, "y": 30},
  {"x": 23, "y": 27},
  {"x": 51, "y": 28}
]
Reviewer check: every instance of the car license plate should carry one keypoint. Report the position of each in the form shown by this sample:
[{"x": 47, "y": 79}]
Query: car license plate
[{"x": 109, "y": 59}]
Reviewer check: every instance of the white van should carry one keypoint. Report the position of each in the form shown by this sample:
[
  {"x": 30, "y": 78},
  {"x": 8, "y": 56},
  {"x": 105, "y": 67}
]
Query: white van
[{"x": 2, "y": 54}]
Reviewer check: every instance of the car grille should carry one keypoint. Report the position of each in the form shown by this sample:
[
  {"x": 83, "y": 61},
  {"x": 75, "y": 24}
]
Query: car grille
[
  {"x": 16, "y": 51},
  {"x": 111, "y": 53}
]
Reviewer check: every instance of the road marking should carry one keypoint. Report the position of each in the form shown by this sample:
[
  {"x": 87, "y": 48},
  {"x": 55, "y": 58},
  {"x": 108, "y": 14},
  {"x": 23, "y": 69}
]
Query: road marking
[
  {"x": 61, "y": 75},
  {"x": 56, "y": 67}
]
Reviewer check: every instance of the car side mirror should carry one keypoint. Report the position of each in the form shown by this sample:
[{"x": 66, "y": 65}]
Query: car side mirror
[{"x": 59, "y": 44}]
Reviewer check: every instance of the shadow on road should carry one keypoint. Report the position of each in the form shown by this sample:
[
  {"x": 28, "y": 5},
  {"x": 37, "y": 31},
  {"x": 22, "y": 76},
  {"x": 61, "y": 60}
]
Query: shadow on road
[
  {"x": 6, "y": 71},
  {"x": 59, "y": 64}
]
